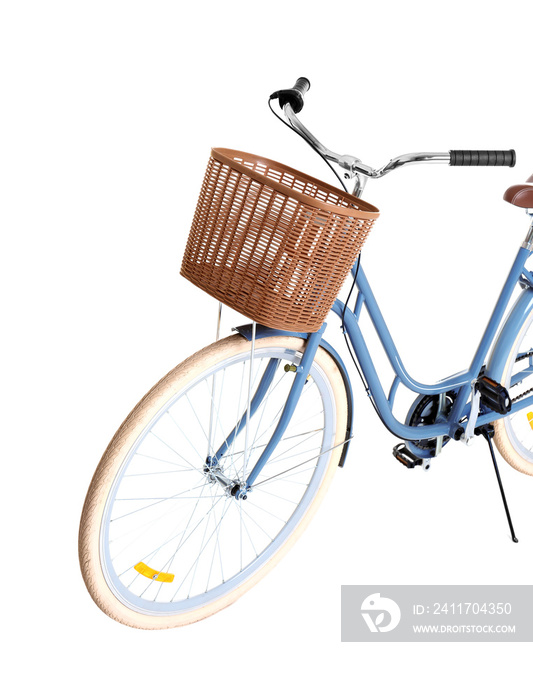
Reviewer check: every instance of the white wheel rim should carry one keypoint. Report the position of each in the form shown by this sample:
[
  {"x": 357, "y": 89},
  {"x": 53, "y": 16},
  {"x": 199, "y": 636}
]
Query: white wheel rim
[{"x": 303, "y": 475}]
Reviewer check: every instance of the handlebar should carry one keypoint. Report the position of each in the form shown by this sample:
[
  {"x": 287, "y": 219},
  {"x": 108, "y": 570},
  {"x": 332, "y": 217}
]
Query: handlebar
[{"x": 291, "y": 101}]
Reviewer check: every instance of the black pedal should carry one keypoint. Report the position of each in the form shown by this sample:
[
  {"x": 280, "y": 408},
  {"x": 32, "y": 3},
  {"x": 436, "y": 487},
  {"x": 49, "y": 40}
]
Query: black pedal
[
  {"x": 405, "y": 456},
  {"x": 494, "y": 395}
]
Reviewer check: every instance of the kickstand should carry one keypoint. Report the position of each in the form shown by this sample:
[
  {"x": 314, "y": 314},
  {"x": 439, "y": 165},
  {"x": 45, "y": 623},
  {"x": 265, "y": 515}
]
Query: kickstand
[{"x": 488, "y": 433}]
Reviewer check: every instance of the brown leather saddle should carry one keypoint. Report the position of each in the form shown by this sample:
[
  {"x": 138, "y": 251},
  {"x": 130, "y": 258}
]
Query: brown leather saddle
[{"x": 520, "y": 195}]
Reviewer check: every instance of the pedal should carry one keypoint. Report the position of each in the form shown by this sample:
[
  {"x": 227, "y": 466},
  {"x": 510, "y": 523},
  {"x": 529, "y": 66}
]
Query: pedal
[
  {"x": 493, "y": 395},
  {"x": 406, "y": 457}
]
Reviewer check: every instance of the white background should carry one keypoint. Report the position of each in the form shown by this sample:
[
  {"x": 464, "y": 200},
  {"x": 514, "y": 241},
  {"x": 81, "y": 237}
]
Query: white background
[{"x": 109, "y": 112}]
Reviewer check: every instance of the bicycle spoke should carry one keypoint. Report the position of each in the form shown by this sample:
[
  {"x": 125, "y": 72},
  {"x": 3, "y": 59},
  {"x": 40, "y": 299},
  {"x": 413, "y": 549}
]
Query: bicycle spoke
[
  {"x": 169, "y": 471},
  {"x": 245, "y": 512},
  {"x": 216, "y": 549},
  {"x": 282, "y": 498},
  {"x": 197, "y": 559},
  {"x": 162, "y": 500},
  {"x": 171, "y": 560},
  {"x": 167, "y": 461},
  {"x": 171, "y": 448},
  {"x": 185, "y": 436},
  {"x": 209, "y": 446},
  {"x": 253, "y": 503}
]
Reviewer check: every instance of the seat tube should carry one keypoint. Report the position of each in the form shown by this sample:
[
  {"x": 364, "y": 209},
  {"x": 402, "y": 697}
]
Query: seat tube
[{"x": 528, "y": 242}]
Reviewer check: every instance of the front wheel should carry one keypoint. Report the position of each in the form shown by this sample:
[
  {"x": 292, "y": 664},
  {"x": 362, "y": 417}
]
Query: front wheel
[
  {"x": 513, "y": 434},
  {"x": 163, "y": 542}
]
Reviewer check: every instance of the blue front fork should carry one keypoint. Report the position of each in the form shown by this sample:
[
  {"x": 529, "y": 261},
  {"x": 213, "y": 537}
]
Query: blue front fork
[
  {"x": 264, "y": 385},
  {"x": 300, "y": 379}
]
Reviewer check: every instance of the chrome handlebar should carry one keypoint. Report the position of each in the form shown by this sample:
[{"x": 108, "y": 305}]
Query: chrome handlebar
[{"x": 351, "y": 167}]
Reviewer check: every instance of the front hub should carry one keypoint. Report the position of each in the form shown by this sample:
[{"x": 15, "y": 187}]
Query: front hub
[{"x": 231, "y": 487}]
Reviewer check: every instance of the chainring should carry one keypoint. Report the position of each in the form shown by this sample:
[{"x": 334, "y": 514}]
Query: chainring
[{"x": 424, "y": 412}]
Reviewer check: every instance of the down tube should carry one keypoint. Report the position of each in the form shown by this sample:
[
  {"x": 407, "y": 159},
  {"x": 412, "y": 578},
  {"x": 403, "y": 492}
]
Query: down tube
[{"x": 405, "y": 432}]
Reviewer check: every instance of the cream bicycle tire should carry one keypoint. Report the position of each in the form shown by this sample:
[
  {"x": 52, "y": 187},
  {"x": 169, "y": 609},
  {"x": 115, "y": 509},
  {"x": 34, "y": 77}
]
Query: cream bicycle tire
[{"x": 112, "y": 465}]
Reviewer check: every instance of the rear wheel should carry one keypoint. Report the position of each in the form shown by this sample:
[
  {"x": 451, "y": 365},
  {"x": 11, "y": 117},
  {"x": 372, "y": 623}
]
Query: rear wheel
[
  {"x": 162, "y": 540},
  {"x": 513, "y": 434}
]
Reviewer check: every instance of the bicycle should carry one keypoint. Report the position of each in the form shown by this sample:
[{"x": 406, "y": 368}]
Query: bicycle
[{"x": 219, "y": 468}]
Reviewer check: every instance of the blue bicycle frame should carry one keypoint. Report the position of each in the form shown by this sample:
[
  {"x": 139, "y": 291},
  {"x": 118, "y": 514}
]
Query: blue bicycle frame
[{"x": 461, "y": 383}]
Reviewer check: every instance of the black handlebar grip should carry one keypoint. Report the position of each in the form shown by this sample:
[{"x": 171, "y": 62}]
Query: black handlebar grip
[
  {"x": 294, "y": 95},
  {"x": 302, "y": 85},
  {"x": 501, "y": 158}
]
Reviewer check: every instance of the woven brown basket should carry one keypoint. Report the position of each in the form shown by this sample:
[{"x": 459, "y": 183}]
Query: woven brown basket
[{"x": 272, "y": 243}]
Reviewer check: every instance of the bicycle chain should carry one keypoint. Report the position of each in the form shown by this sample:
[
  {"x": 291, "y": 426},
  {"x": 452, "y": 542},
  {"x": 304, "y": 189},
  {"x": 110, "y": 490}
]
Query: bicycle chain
[
  {"x": 521, "y": 396},
  {"x": 526, "y": 354}
]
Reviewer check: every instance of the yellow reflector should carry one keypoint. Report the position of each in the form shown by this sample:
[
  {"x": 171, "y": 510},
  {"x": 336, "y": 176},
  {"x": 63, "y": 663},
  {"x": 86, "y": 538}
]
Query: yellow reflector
[
  {"x": 530, "y": 419},
  {"x": 147, "y": 571}
]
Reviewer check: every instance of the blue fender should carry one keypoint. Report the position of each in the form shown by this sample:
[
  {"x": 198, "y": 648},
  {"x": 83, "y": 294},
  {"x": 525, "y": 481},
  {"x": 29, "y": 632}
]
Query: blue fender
[
  {"x": 265, "y": 332},
  {"x": 508, "y": 332}
]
